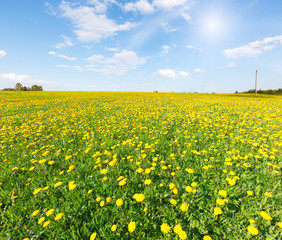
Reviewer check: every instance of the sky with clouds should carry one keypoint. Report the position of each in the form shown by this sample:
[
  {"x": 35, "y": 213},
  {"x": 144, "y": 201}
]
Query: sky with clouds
[{"x": 141, "y": 45}]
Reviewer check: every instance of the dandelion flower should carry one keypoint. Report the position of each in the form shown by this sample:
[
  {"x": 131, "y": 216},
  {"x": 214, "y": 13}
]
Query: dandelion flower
[
  {"x": 119, "y": 202},
  {"x": 37, "y": 190},
  {"x": 222, "y": 193},
  {"x": 93, "y": 236},
  {"x": 41, "y": 220},
  {"x": 250, "y": 193},
  {"x": 50, "y": 212},
  {"x": 217, "y": 211},
  {"x": 182, "y": 235},
  {"x": 265, "y": 215},
  {"x": 59, "y": 216},
  {"x": 46, "y": 223},
  {"x": 35, "y": 213},
  {"x": 173, "y": 201},
  {"x": 114, "y": 228},
  {"x": 165, "y": 228},
  {"x": 58, "y": 184},
  {"x": 131, "y": 226},
  {"x": 148, "y": 182},
  {"x": 104, "y": 171},
  {"x": 139, "y": 197},
  {"x": 177, "y": 228},
  {"x": 253, "y": 230},
  {"x": 207, "y": 237},
  {"x": 184, "y": 207}
]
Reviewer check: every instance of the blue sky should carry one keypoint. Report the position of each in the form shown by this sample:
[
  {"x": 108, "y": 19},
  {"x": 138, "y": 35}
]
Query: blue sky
[{"x": 141, "y": 45}]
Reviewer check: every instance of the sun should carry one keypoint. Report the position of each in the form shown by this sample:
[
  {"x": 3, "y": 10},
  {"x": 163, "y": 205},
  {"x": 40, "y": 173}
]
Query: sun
[{"x": 212, "y": 25}]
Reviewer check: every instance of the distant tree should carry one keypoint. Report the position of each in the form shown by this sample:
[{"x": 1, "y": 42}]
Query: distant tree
[
  {"x": 236, "y": 92},
  {"x": 36, "y": 88},
  {"x": 18, "y": 87},
  {"x": 8, "y": 89}
]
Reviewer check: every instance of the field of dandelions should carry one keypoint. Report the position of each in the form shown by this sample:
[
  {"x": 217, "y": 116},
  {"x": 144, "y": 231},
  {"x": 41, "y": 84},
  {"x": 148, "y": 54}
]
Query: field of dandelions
[{"x": 86, "y": 165}]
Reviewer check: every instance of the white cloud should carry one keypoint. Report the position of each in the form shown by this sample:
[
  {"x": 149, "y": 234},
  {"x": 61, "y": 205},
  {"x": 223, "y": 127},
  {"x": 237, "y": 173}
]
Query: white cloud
[
  {"x": 62, "y": 56},
  {"x": 228, "y": 65},
  {"x": 168, "y": 4},
  {"x": 194, "y": 47},
  {"x": 25, "y": 79},
  {"x": 168, "y": 28},
  {"x": 69, "y": 66},
  {"x": 254, "y": 49},
  {"x": 198, "y": 70},
  {"x": 169, "y": 73},
  {"x": 142, "y": 6},
  {"x": 2, "y": 53},
  {"x": 111, "y": 49},
  {"x": 186, "y": 16},
  {"x": 91, "y": 25},
  {"x": 118, "y": 64},
  {"x": 67, "y": 43},
  {"x": 165, "y": 49}
]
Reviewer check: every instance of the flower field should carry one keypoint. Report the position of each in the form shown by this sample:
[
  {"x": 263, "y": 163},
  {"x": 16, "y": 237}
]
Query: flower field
[{"x": 87, "y": 165}]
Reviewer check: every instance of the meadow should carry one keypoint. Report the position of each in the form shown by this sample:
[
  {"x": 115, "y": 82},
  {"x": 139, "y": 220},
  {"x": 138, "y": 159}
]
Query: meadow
[{"x": 100, "y": 165}]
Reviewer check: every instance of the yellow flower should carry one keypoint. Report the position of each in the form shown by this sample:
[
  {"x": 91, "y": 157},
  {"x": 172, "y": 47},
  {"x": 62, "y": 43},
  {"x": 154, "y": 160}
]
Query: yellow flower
[
  {"x": 26, "y": 239},
  {"x": 114, "y": 228},
  {"x": 194, "y": 184},
  {"x": 251, "y": 221},
  {"x": 207, "y": 237},
  {"x": 172, "y": 186},
  {"x": 90, "y": 191},
  {"x": 217, "y": 211},
  {"x": 253, "y": 230},
  {"x": 148, "y": 182},
  {"x": 59, "y": 216},
  {"x": 58, "y": 184},
  {"x": 46, "y": 223},
  {"x": 182, "y": 235},
  {"x": 50, "y": 212},
  {"x": 119, "y": 202},
  {"x": 220, "y": 202},
  {"x": 122, "y": 182},
  {"x": 72, "y": 185},
  {"x": 35, "y": 213},
  {"x": 222, "y": 193},
  {"x": 41, "y": 220},
  {"x": 37, "y": 190},
  {"x": 139, "y": 170},
  {"x": 268, "y": 194},
  {"x": 184, "y": 207},
  {"x": 108, "y": 199},
  {"x": 93, "y": 236},
  {"x": 139, "y": 197},
  {"x": 250, "y": 193},
  {"x": 175, "y": 191},
  {"x": 51, "y": 162},
  {"x": 102, "y": 203},
  {"x": 265, "y": 215},
  {"x": 165, "y": 228},
  {"x": 188, "y": 189},
  {"x": 104, "y": 171},
  {"x": 177, "y": 228},
  {"x": 131, "y": 226},
  {"x": 189, "y": 170},
  {"x": 173, "y": 201},
  {"x": 279, "y": 224}
]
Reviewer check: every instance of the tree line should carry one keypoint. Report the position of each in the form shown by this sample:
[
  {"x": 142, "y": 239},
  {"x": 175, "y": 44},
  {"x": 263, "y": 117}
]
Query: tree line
[
  {"x": 269, "y": 91},
  {"x": 20, "y": 87}
]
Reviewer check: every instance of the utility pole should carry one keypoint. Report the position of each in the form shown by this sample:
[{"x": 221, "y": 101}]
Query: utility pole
[{"x": 256, "y": 81}]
